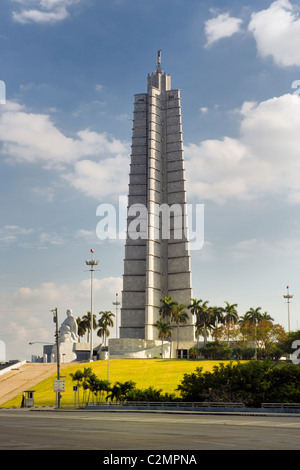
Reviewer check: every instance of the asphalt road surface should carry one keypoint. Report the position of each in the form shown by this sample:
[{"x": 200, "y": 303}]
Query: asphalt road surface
[{"x": 134, "y": 431}]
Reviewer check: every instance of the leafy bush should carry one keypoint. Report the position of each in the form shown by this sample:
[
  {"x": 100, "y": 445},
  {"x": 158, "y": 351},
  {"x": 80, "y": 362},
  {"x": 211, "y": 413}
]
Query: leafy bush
[
  {"x": 216, "y": 350},
  {"x": 286, "y": 346},
  {"x": 194, "y": 352},
  {"x": 252, "y": 383},
  {"x": 149, "y": 394},
  {"x": 120, "y": 390}
]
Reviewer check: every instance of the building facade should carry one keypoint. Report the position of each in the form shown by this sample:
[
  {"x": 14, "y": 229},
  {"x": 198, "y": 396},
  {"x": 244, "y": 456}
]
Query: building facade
[{"x": 157, "y": 260}]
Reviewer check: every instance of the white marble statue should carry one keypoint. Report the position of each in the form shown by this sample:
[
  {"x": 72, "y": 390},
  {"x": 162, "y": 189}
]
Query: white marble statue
[
  {"x": 68, "y": 336},
  {"x": 68, "y": 332}
]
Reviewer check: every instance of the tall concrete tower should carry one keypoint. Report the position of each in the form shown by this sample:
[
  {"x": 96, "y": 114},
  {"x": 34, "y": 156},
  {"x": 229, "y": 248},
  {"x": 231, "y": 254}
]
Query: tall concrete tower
[{"x": 157, "y": 259}]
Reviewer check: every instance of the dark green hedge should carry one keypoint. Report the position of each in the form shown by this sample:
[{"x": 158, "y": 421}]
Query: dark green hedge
[{"x": 252, "y": 383}]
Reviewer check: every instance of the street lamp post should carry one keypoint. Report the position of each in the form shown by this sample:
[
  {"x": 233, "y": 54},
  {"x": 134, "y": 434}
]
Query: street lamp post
[
  {"x": 91, "y": 263},
  {"x": 288, "y": 296},
  {"x": 55, "y": 319},
  {"x": 117, "y": 303}
]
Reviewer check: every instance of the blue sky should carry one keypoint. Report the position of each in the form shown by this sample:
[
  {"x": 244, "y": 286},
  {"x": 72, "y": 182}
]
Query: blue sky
[{"x": 71, "y": 68}]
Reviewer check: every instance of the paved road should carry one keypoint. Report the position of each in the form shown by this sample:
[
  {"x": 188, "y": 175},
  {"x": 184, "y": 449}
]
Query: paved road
[{"x": 56, "y": 430}]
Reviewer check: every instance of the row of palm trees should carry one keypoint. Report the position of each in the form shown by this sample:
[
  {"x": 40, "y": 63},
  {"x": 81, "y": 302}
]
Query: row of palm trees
[
  {"x": 175, "y": 313},
  {"x": 102, "y": 325},
  {"x": 207, "y": 318},
  {"x": 100, "y": 389},
  {"x": 215, "y": 319}
]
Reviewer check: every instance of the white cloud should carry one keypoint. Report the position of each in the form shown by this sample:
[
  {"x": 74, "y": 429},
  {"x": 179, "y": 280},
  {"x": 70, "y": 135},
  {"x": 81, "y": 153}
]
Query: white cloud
[
  {"x": 38, "y": 16},
  {"x": 255, "y": 248},
  {"x": 50, "y": 238},
  {"x": 222, "y": 26},
  {"x": 277, "y": 32},
  {"x": 107, "y": 178},
  {"x": 263, "y": 161},
  {"x": 42, "y": 11},
  {"x": 75, "y": 296},
  {"x": 25, "y": 314},
  {"x": 10, "y": 233},
  {"x": 96, "y": 164},
  {"x": 34, "y": 138},
  {"x": 87, "y": 235}
]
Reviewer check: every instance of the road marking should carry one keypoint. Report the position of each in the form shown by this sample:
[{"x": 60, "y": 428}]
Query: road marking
[
  {"x": 197, "y": 421},
  {"x": 297, "y": 425},
  {"x": 216, "y": 443}
]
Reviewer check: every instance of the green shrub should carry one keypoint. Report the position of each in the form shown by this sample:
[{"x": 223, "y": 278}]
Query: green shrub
[
  {"x": 253, "y": 383},
  {"x": 216, "y": 350},
  {"x": 149, "y": 394}
]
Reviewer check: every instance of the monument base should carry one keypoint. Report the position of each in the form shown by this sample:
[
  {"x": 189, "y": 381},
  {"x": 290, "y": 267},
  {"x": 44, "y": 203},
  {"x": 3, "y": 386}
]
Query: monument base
[
  {"x": 66, "y": 351},
  {"x": 131, "y": 348},
  {"x": 137, "y": 348}
]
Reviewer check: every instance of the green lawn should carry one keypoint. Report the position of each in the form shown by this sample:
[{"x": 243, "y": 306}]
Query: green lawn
[{"x": 164, "y": 374}]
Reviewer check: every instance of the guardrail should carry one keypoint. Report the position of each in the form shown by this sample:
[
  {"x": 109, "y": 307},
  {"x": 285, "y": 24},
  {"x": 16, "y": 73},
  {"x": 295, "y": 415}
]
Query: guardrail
[
  {"x": 280, "y": 405},
  {"x": 161, "y": 404}
]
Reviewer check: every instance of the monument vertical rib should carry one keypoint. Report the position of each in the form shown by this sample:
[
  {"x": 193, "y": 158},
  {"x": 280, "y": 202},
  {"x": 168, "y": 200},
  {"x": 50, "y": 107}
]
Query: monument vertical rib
[{"x": 157, "y": 261}]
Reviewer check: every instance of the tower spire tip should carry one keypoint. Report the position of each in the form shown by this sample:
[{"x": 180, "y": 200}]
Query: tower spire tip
[{"x": 158, "y": 62}]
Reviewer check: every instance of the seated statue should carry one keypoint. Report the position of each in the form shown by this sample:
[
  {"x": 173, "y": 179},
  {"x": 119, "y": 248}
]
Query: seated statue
[{"x": 68, "y": 332}]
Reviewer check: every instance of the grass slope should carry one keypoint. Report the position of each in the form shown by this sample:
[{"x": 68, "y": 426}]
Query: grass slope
[{"x": 164, "y": 374}]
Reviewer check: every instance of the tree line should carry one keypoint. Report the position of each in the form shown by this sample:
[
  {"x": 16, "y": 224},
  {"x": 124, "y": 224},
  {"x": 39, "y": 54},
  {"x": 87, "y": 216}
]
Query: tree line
[{"x": 253, "y": 334}]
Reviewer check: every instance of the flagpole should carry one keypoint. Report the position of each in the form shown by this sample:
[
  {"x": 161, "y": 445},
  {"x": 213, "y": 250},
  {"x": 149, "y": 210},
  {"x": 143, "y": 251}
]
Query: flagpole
[{"x": 91, "y": 263}]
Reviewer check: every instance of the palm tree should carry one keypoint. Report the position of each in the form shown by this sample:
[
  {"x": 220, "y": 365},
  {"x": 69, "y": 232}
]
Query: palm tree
[
  {"x": 217, "y": 317},
  {"x": 87, "y": 321},
  {"x": 203, "y": 318},
  {"x": 243, "y": 327},
  {"x": 230, "y": 316},
  {"x": 119, "y": 390},
  {"x": 167, "y": 307},
  {"x": 81, "y": 327},
  {"x": 104, "y": 323},
  {"x": 78, "y": 377},
  {"x": 97, "y": 386},
  {"x": 92, "y": 385},
  {"x": 84, "y": 379},
  {"x": 164, "y": 330},
  {"x": 180, "y": 317},
  {"x": 267, "y": 317},
  {"x": 254, "y": 316},
  {"x": 242, "y": 320},
  {"x": 102, "y": 387},
  {"x": 195, "y": 307}
]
